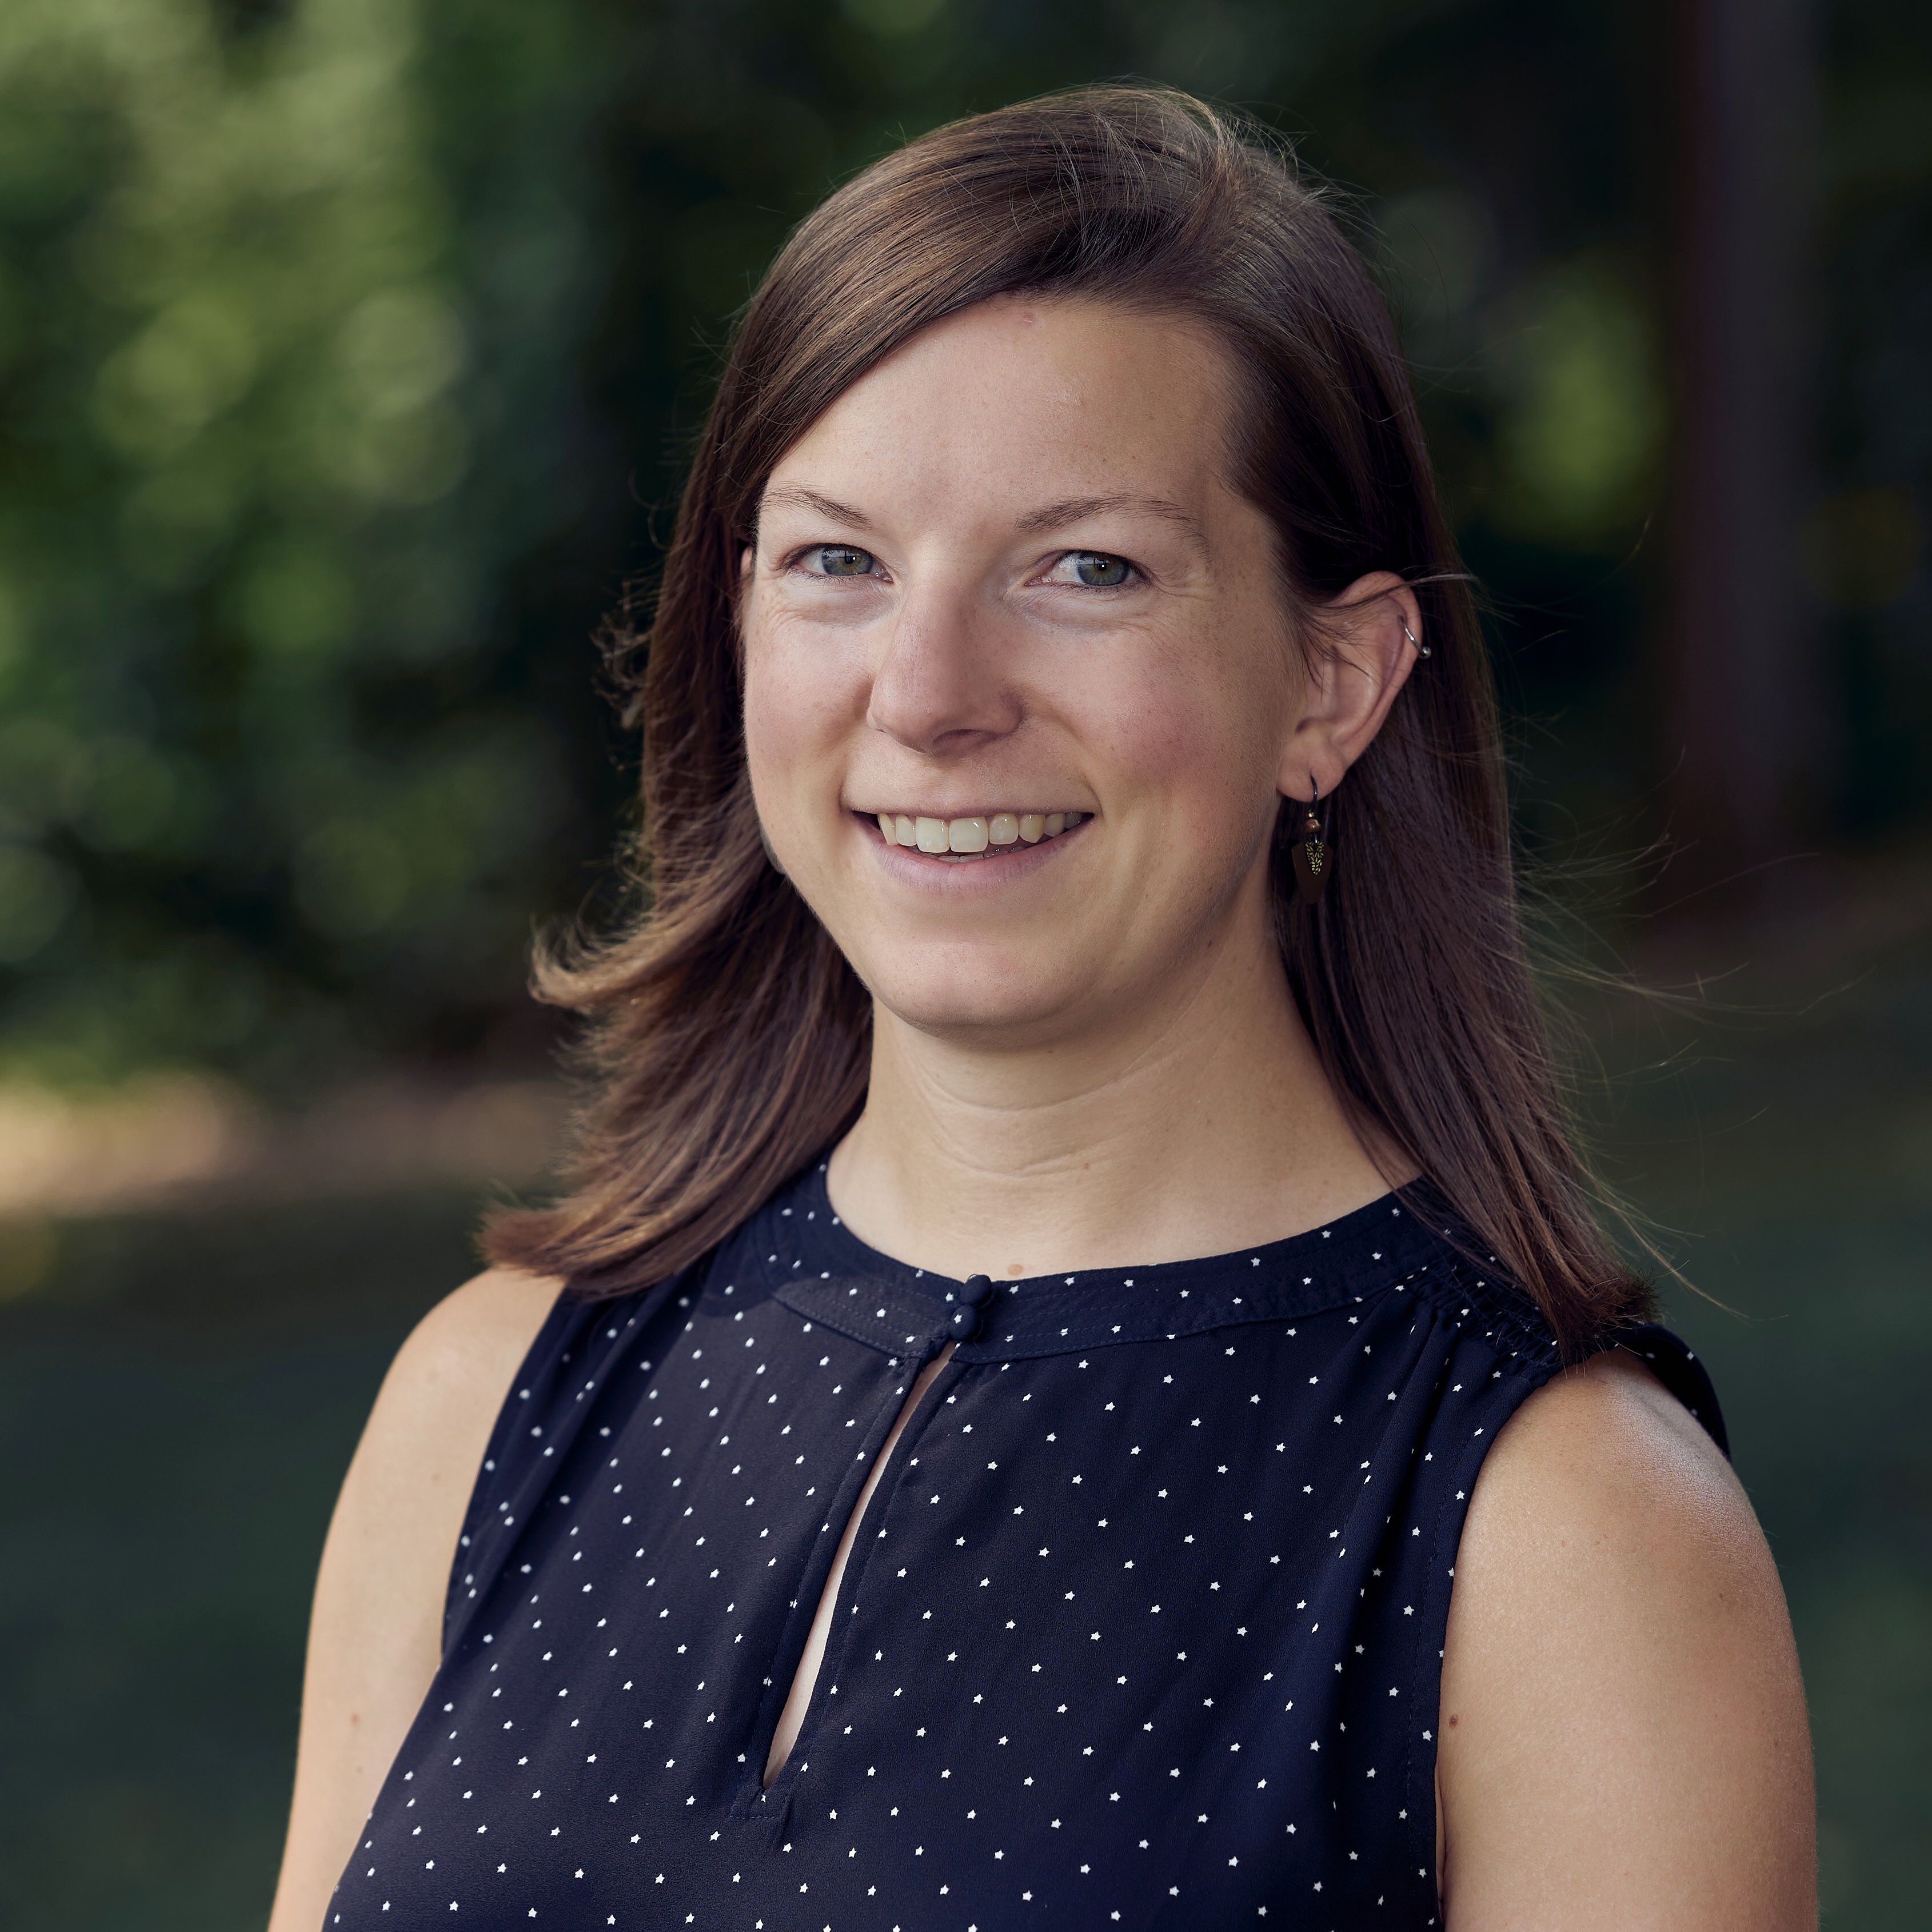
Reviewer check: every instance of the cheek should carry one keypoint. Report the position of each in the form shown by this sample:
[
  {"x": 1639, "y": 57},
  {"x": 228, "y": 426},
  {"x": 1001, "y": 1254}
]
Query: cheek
[
  {"x": 793, "y": 710},
  {"x": 1204, "y": 741}
]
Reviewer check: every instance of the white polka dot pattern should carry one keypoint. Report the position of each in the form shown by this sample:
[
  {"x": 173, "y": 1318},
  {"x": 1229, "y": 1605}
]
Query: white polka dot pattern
[{"x": 1142, "y": 1627}]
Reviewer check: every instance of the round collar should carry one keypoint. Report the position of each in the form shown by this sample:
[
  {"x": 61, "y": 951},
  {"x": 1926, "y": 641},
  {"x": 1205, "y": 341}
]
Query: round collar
[{"x": 818, "y": 1267}]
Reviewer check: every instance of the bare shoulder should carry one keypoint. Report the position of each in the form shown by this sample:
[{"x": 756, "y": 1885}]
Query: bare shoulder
[
  {"x": 375, "y": 1634},
  {"x": 403, "y": 1501},
  {"x": 1608, "y": 1437},
  {"x": 463, "y": 1353},
  {"x": 426, "y": 1435},
  {"x": 1623, "y": 1736}
]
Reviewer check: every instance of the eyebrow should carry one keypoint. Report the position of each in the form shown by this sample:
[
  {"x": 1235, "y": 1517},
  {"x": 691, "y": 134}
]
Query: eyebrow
[
  {"x": 791, "y": 497},
  {"x": 1049, "y": 517},
  {"x": 1074, "y": 509}
]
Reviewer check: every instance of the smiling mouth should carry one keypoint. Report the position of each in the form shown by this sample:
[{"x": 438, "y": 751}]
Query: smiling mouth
[{"x": 961, "y": 840}]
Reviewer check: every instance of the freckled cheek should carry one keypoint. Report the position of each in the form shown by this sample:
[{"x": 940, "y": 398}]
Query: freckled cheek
[
  {"x": 1200, "y": 764},
  {"x": 796, "y": 713}
]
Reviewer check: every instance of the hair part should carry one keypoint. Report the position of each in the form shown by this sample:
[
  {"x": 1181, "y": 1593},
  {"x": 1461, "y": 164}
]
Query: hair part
[{"x": 729, "y": 1040}]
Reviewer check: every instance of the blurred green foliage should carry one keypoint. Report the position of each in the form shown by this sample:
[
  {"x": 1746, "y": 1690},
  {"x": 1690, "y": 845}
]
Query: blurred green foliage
[
  {"x": 1866, "y": 547},
  {"x": 349, "y": 350},
  {"x": 289, "y": 309}
]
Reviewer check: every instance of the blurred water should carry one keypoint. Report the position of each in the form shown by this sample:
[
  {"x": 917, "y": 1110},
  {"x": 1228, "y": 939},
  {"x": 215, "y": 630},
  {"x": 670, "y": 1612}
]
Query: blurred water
[
  {"x": 1794, "y": 1139},
  {"x": 177, "y": 1405},
  {"x": 1825, "y": 1394},
  {"x": 176, "y": 1411}
]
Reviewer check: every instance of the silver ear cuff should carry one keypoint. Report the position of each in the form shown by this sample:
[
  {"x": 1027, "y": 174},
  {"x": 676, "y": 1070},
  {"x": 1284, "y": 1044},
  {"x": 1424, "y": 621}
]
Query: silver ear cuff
[{"x": 1421, "y": 649}]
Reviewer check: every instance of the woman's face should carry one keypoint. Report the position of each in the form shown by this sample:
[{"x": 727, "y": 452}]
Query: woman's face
[{"x": 1002, "y": 586}]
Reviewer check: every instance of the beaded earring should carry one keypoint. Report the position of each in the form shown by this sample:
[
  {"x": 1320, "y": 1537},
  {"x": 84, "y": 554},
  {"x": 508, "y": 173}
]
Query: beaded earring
[{"x": 1313, "y": 859}]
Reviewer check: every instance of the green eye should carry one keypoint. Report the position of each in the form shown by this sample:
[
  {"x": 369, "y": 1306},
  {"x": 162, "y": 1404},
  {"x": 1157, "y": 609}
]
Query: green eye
[
  {"x": 1098, "y": 572},
  {"x": 842, "y": 560}
]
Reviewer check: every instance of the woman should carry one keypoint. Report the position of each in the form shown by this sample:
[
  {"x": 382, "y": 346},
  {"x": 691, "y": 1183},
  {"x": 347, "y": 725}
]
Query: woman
[{"x": 1076, "y": 849}]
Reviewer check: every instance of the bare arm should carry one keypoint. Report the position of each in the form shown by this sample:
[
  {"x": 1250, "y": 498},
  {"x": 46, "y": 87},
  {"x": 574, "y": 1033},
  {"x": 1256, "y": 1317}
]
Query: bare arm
[
  {"x": 375, "y": 1637},
  {"x": 1623, "y": 1741}
]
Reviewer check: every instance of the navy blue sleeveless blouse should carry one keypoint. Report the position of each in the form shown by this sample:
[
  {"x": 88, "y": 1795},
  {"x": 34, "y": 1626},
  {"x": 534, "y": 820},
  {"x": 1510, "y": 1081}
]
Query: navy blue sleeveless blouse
[{"x": 1142, "y": 1628}]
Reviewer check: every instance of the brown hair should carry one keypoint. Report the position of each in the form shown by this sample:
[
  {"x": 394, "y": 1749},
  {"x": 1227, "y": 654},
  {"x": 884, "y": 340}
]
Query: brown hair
[{"x": 731, "y": 1039}]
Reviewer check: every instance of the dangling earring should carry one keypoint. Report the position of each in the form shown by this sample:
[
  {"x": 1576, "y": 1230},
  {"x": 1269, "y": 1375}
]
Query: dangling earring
[{"x": 1313, "y": 859}]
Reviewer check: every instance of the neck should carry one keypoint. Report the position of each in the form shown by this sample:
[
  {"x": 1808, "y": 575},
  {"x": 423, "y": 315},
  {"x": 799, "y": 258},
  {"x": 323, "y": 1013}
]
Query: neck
[{"x": 1203, "y": 1126}]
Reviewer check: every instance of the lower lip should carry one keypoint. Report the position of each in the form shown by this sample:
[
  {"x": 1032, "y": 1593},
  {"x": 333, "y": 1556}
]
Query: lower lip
[{"x": 1002, "y": 865}]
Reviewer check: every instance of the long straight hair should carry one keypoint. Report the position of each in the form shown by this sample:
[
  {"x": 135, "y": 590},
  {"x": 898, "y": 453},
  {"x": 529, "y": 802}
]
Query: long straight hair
[{"x": 729, "y": 1040}]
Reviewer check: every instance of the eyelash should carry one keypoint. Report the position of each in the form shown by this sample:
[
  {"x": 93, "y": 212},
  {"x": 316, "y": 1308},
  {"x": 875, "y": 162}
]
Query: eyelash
[
  {"x": 1108, "y": 557},
  {"x": 797, "y": 559}
]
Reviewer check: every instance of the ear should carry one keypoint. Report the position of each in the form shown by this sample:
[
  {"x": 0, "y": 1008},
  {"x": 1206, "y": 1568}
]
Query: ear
[{"x": 1364, "y": 650}]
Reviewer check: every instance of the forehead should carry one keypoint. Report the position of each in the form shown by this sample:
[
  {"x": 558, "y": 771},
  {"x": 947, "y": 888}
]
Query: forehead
[{"x": 1045, "y": 398}]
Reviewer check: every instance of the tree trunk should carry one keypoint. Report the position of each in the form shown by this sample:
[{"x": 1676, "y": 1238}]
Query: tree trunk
[{"x": 1747, "y": 732}]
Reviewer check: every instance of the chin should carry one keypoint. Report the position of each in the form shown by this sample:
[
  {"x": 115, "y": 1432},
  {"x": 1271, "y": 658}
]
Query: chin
[{"x": 978, "y": 1003}]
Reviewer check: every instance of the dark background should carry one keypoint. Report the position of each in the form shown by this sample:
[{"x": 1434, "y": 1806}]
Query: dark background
[{"x": 349, "y": 353}]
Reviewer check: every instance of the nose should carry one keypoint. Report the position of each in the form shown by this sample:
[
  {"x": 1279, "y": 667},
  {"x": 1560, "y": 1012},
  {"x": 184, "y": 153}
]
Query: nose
[{"x": 940, "y": 688}]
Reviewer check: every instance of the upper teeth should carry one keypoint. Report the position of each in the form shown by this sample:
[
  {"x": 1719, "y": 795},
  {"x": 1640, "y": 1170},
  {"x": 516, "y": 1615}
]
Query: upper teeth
[{"x": 975, "y": 834}]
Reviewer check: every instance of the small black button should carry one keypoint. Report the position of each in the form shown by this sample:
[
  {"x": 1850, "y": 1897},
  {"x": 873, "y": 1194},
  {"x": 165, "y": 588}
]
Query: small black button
[
  {"x": 978, "y": 1291},
  {"x": 964, "y": 1324}
]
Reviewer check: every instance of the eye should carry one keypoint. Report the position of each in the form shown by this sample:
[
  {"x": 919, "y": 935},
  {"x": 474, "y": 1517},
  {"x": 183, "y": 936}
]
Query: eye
[
  {"x": 838, "y": 560},
  {"x": 1094, "y": 570}
]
